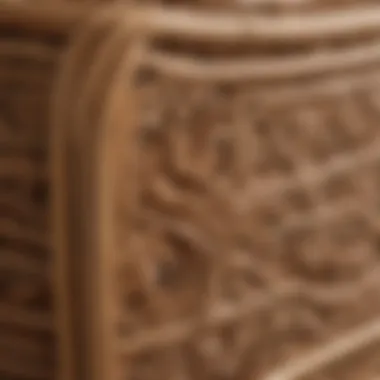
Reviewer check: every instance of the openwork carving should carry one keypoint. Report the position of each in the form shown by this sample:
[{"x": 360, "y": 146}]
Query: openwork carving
[
  {"x": 226, "y": 196},
  {"x": 257, "y": 221}
]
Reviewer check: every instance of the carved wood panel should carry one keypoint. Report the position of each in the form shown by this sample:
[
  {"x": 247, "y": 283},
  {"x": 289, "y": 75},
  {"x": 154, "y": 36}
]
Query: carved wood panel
[{"x": 228, "y": 200}]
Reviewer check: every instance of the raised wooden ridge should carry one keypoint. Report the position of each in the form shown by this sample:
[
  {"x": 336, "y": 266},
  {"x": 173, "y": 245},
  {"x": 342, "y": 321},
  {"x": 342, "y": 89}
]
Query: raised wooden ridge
[{"x": 61, "y": 18}]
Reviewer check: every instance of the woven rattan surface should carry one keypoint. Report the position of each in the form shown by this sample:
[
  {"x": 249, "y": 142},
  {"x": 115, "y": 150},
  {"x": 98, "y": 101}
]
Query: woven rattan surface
[{"x": 224, "y": 192}]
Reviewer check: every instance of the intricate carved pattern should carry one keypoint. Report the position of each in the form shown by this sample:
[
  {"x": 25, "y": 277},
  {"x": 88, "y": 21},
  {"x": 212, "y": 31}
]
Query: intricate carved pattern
[
  {"x": 255, "y": 233},
  {"x": 248, "y": 234},
  {"x": 26, "y": 337},
  {"x": 354, "y": 367}
]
